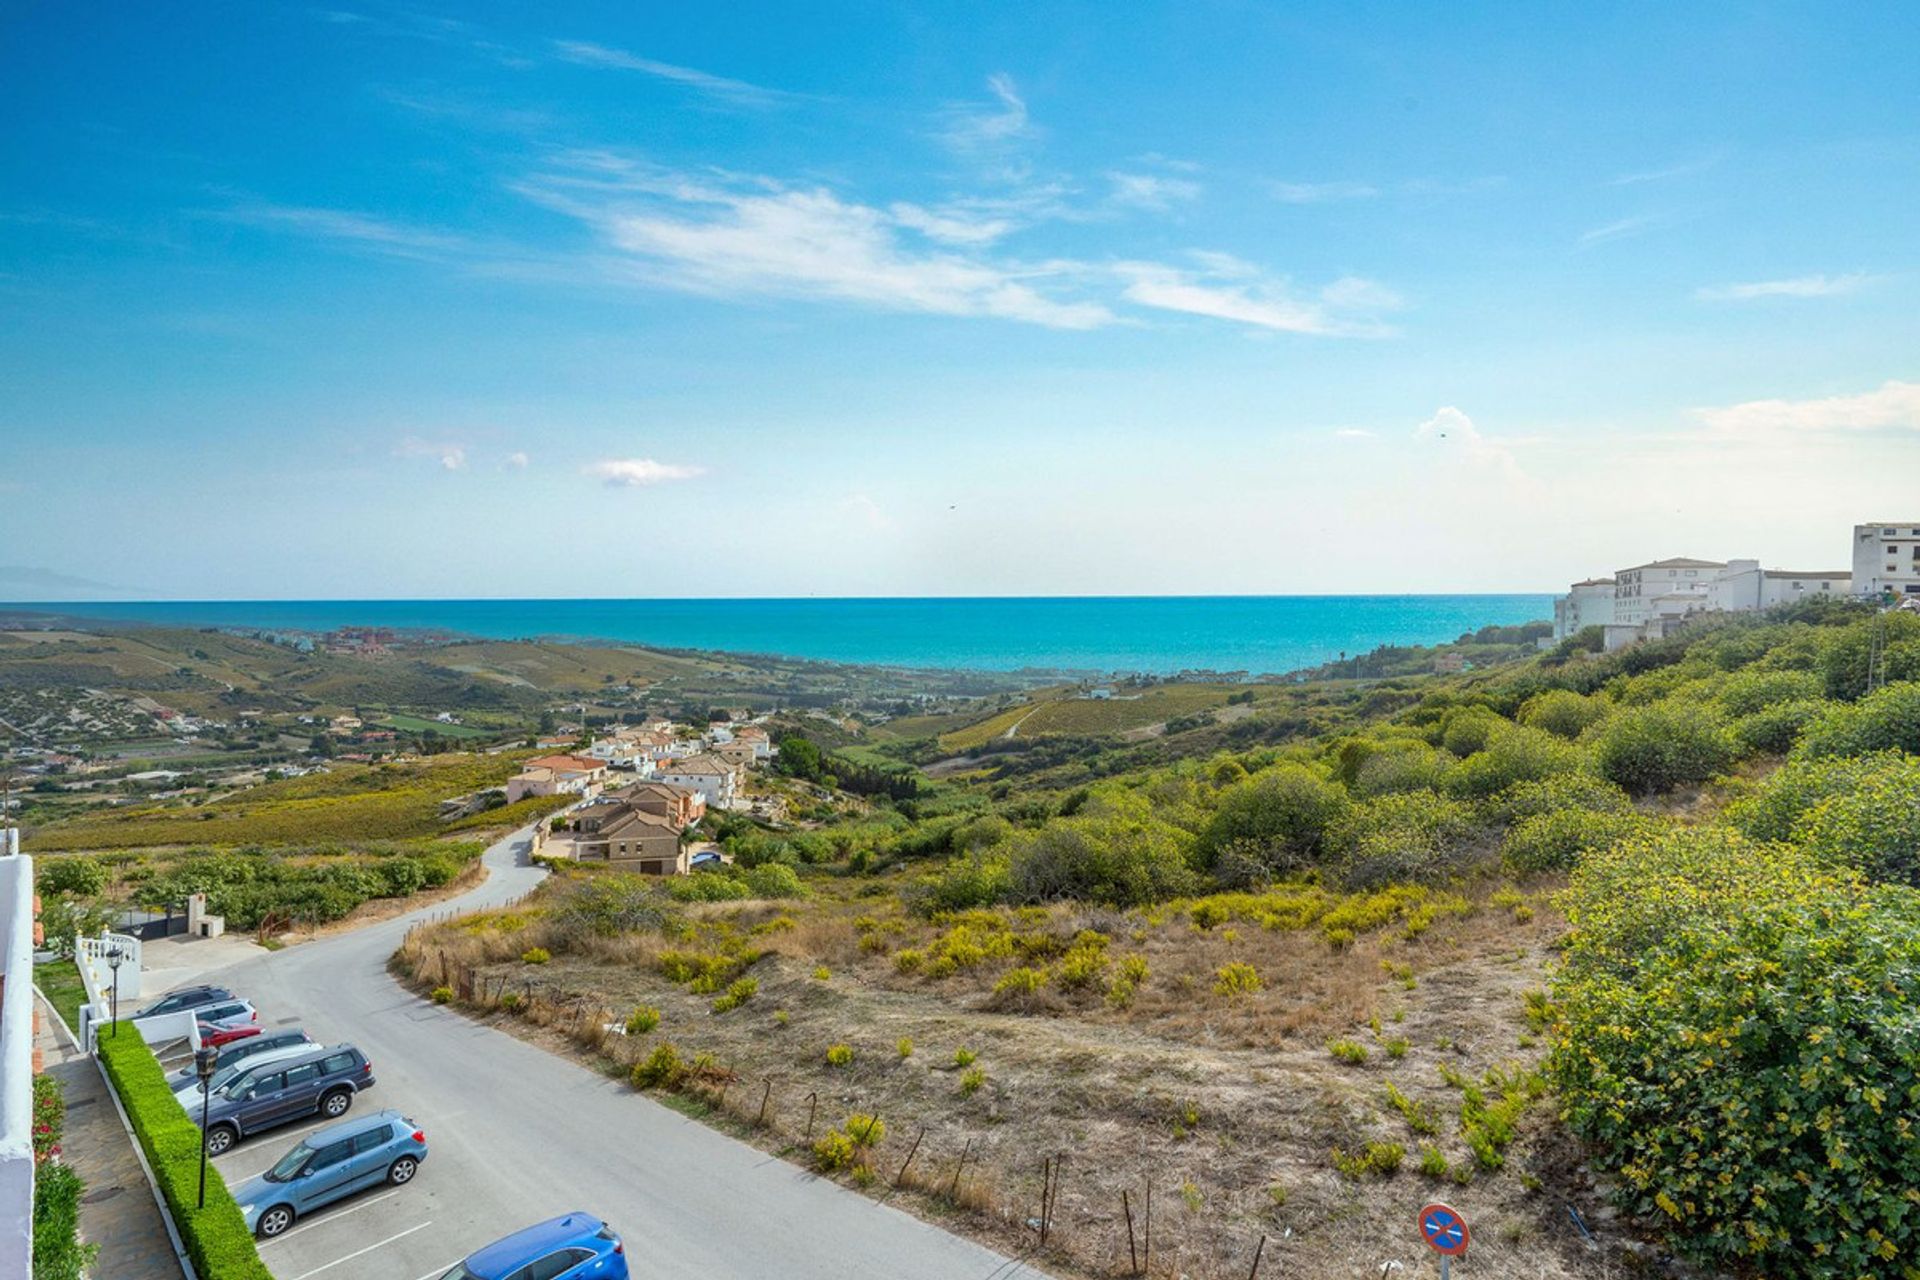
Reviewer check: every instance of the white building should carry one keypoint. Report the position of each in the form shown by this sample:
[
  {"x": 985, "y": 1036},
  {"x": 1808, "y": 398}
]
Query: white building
[
  {"x": 1586, "y": 604},
  {"x": 17, "y": 943},
  {"x": 1635, "y": 590},
  {"x": 1743, "y": 586},
  {"x": 1886, "y": 558},
  {"x": 717, "y": 781}
]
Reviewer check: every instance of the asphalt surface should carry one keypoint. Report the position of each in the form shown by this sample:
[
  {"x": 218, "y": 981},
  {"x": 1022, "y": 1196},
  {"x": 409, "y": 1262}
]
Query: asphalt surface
[{"x": 517, "y": 1135}]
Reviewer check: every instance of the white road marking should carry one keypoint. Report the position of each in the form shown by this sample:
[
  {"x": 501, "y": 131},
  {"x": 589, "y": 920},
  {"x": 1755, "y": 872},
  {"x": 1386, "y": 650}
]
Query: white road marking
[
  {"x": 369, "y": 1249},
  {"x": 321, "y": 1222},
  {"x": 437, "y": 1272}
]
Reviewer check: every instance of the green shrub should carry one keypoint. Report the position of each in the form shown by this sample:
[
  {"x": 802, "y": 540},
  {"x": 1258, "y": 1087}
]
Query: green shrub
[
  {"x": 1885, "y": 720},
  {"x": 1396, "y": 837},
  {"x": 1403, "y": 766},
  {"x": 1513, "y": 754},
  {"x": 775, "y": 880},
  {"x": 1419, "y": 1116},
  {"x": 1118, "y": 854},
  {"x": 216, "y": 1237},
  {"x": 535, "y": 955},
  {"x": 1747, "y": 693},
  {"x": 1284, "y": 811},
  {"x": 738, "y": 992},
  {"x": 1432, "y": 1162},
  {"x": 1736, "y": 1047},
  {"x": 972, "y": 1079},
  {"x": 1351, "y": 1052},
  {"x": 834, "y": 1151},
  {"x": 1774, "y": 809},
  {"x": 642, "y": 1020},
  {"x": 82, "y": 877},
  {"x": 1020, "y": 982},
  {"x": 1774, "y": 730},
  {"x": 1236, "y": 979},
  {"x": 1873, "y": 827},
  {"x": 1552, "y": 794},
  {"x": 839, "y": 1055},
  {"x": 1467, "y": 730},
  {"x": 442, "y": 994},
  {"x": 1562, "y": 712},
  {"x": 1656, "y": 748},
  {"x": 58, "y": 1253},
  {"x": 905, "y": 1047},
  {"x": 1556, "y": 841},
  {"x": 976, "y": 878},
  {"x": 661, "y": 1069},
  {"x": 1376, "y": 1159}
]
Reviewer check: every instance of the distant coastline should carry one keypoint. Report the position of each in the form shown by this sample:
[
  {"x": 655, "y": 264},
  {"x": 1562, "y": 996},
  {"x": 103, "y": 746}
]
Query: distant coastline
[{"x": 1158, "y": 635}]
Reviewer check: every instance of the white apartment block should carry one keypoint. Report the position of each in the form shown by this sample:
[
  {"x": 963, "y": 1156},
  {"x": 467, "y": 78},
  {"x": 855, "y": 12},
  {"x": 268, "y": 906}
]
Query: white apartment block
[
  {"x": 1638, "y": 592},
  {"x": 1886, "y": 558},
  {"x": 1587, "y": 604},
  {"x": 1744, "y": 585}
]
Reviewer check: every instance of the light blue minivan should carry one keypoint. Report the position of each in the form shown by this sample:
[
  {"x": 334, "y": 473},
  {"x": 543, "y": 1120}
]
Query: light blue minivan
[{"x": 329, "y": 1164}]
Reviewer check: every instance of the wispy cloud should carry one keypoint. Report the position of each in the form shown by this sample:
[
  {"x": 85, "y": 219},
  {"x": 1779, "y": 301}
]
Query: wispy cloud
[
  {"x": 1321, "y": 192},
  {"x": 1225, "y": 288},
  {"x": 635, "y": 473},
  {"x": 951, "y": 225},
  {"x": 35, "y": 578},
  {"x": 1619, "y": 229},
  {"x": 1152, "y": 192},
  {"x": 360, "y": 229},
  {"x": 517, "y": 460},
  {"x": 1894, "y": 405},
  {"x": 1680, "y": 170},
  {"x": 762, "y": 239},
  {"x": 1452, "y": 429},
  {"x": 1796, "y": 287},
  {"x": 989, "y": 129},
  {"x": 588, "y": 54},
  {"x": 450, "y": 456}
]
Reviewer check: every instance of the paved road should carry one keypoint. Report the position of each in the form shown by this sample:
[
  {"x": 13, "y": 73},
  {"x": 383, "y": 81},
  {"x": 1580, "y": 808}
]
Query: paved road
[{"x": 518, "y": 1134}]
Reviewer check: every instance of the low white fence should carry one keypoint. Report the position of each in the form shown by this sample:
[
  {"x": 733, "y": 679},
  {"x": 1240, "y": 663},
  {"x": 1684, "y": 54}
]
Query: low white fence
[{"x": 16, "y": 1065}]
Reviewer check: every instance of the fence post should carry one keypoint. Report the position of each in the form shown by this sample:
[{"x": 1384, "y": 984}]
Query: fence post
[
  {"x": 764, "y": 1095},
  {"x": 1133, "y": 1258},
  {"x": 813, "y": 1101},
  {"x": 954, "y": 1189},
  {"x": 910, "y": 1153},
  {"x": 1251, "y": 1275}
]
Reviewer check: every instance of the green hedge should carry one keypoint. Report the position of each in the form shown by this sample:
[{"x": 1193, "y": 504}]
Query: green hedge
[{"x": 216, "y": 1237}]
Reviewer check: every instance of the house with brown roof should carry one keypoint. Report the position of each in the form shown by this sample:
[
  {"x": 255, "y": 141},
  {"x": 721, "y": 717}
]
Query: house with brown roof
[
  {"x": 615, "y": 832},
  {"x": 556, "y": 775}
]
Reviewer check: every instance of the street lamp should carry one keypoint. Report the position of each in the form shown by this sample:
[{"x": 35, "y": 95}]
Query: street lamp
[
  {"x": 114, "y": 957},
  {"x": 203, "y": 1063}
]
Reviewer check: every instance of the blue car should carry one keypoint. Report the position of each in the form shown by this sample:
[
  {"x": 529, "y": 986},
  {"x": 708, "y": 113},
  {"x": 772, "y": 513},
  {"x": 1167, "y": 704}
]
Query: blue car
[
  {"x": 576, "y": 1246},
  {"x": 330, "y": 1164}
]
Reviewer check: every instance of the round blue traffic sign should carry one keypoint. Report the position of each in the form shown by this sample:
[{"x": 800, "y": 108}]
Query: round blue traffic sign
[{"x": 1442, "y": 1227}]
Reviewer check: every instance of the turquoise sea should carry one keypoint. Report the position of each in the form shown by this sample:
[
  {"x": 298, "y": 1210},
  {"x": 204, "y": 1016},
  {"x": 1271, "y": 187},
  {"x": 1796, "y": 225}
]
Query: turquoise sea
[{"x": 1106, "y": 634}]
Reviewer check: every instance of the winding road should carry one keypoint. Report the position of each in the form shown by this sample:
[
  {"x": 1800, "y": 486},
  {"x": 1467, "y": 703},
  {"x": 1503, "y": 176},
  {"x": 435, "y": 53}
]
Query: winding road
[{"x": 518, "y": 1134}]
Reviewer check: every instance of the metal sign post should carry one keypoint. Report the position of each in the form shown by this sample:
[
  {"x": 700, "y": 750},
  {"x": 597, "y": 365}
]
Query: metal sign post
[{"x": 1444, "y": 1229}]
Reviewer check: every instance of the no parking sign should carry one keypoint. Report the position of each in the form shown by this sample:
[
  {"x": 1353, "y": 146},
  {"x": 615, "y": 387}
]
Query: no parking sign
[{"x": 1444, "y": 1228}]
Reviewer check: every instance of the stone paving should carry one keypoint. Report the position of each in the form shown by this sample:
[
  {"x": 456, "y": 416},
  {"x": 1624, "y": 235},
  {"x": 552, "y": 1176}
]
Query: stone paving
[{"x": 117, "y": 1211}]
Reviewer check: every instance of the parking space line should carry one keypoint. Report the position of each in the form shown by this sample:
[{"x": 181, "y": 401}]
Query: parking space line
[
  {"x": 369, "y": 1249},
  {"x": 437, "y": 1272},
  {"x": 321, "y": 1222}
]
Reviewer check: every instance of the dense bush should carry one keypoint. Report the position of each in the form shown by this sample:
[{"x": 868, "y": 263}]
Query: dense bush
[
  {"x": 1285, "y": 809},
  {"x": 216, "y": 1237},
  {"x": 1657, "y": 748},
  {"x": 1737, "y": 1045},
  {"x": 1872, "y": 826},
  {"x": 1749, "y": 692},
  {"x": 1411, "y": 836},
  {"x": 1512, "y": 755},
  {"x": 1557, "y": 840},
  {"x": 1468, "y": 729},
  {"x": 1561, "y": 791},
  {"x": 82, "y": 876},
  {"x": 309, "y": 883},
  {"x": 1120, "y": 856},
  {"x": 973, "y": 879},
  {"x": 58, "y": 1253},
  {"x": 1403, "y": 766},
  {"x": 1562, "y": 712},
  {"x": 1774, "y": 730},
  {"x": 1885, "y": 720},
  {"x": 1774, "y": 809}
]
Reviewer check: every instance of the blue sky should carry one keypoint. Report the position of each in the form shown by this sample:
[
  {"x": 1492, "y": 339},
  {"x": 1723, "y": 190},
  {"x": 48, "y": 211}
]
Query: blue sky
[{"x": 857, "y": 299}]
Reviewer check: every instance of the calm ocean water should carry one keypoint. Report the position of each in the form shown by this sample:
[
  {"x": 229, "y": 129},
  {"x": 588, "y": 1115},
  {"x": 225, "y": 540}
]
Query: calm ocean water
[{"x": 1159, "y": 634}]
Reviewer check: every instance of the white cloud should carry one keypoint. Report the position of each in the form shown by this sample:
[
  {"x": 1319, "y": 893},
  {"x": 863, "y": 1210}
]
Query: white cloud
[
  {"x": 763, "y": 239},
  {"x": 1321, "y": 192},
  {"x": 1452, "y": 429},
  {"x": 1152, "y": 192},
  {"x": 1619, "y": 229},
  {"x": 588, "y": 54},
  {"x": 1894, "y": 405},
  {"x": 950, "y": 225},
  {"x": 633, "y": 473},
  {"x": 518, "y": 461},
  {"x": 1228, "y": 289},
  {"x": 987, "y": 128},
  {"x": 450, "y": 456},
  {"x": 1796, "y": 287}
]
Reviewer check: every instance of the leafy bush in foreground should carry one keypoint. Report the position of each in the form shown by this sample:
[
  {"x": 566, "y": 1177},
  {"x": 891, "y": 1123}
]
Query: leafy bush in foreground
[
  {"x": 1558, "y": 840},
  {"x": 1872, "y": 827},
  {"x": 1885, "y": 720},
  {"x": 1398, "y": 837},
  {"x": 1775, "y": 807},
  {"x": 1286, "y": 809},
  {"x": 1737, "y": 1045}
]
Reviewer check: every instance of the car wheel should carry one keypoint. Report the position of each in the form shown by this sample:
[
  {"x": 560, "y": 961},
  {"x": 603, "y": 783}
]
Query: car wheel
[
  {"x": 335, "y": 1104},
  {"x": 274, "y": 1221},
  {"x": 220, "y": 1138},
  {"x": 401, "y": 1171}
]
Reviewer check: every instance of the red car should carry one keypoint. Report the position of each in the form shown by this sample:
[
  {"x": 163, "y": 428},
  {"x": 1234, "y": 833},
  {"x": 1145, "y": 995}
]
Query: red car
[{"x": 214, "y": 1036}]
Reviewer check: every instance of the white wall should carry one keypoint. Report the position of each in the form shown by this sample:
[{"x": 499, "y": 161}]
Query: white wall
[{"x": 16, "y": 1066}]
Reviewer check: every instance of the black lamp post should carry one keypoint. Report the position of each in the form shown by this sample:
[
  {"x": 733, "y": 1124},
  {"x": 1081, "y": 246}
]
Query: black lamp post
[
  {"x": 203, "y": 1062},
  {"x": 114, "y": 957}
]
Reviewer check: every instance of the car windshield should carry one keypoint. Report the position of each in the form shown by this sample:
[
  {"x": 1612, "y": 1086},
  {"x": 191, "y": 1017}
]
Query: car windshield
[
  {"x": 459, "y": 1272},
  {"x": 290, "y": 1164}
]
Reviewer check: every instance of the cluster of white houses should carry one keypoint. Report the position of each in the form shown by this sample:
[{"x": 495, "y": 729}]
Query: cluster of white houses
[
  {"x": 641, "y": 787},
  {"x": 1646, "y": 601}
]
